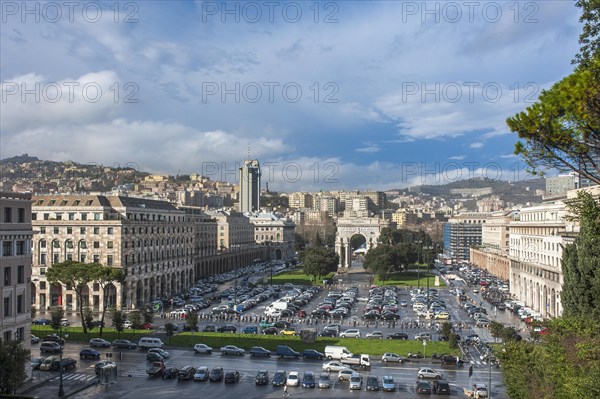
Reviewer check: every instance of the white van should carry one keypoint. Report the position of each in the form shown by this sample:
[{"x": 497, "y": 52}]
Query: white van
[
  {"x": 148, "y": 342},
  {"x": 337, "y": 352}
]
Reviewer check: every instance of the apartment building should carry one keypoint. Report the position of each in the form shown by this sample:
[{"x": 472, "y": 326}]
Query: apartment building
[
  {"x": 492, "y": 255},
  {"x": 300, "y": 200},
  {"x": 462, "y": 232},
  {"x": 275, "y": 232},
  {"x": 15, "y": 267},
  {"x": 152, "y": 241}
]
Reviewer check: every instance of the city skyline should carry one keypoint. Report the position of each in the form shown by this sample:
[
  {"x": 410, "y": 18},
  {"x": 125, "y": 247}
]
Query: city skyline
[{"x": 393, "y": 94}]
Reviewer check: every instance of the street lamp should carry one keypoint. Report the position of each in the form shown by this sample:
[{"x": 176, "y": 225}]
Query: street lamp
[{"x": 61, "y": 390}]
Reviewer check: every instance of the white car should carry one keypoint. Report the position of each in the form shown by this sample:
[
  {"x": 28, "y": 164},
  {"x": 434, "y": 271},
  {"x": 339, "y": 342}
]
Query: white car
[
  {"x": 345, "y": 374},
  {"x": 392, "y": 357},
  {"x": 375, "y": 335},
  {"x": 428, "y": 373},
  {"x": 293, "y": 379},
  {"x": 356, "y": 381},
  {"x": 351, "y": 333},
  {"x": 202, "y": 348},
  {"x": 423, "y": 337},
  {"x": 334, "y": 366},
  {"x": 127, "y": 324}
]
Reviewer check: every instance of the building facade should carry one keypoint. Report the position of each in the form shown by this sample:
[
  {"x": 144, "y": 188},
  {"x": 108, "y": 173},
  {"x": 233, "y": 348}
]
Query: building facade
[
  {"x": 250, "y": 186},
  {"x": 462, "y": 232},
  {"x": 276, "y": 233},
  {"x": 152, "y": 241},
  {"x": 15, "y": 265}
]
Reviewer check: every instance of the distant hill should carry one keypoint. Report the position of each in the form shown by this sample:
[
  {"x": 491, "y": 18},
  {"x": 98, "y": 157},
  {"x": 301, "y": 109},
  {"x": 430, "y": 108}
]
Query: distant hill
[{"x": 25, "y": 158}]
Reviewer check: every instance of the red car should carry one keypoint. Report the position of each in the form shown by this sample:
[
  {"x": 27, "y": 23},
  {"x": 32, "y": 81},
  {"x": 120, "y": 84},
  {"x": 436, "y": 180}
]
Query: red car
[
  {"x": 147, "y": 326},
  {"x": 301, "y": 313}
]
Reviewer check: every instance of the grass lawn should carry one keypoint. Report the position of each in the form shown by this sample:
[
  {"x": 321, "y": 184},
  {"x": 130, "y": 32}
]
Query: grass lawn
[
  {"x": 297, "y": 276},
  {"x": 375, "y": 347},
  {"x": 410, "y": 279},
  {"x": 76, "y": 333}
]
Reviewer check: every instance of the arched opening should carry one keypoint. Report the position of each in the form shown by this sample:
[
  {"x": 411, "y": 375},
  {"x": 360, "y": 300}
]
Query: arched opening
[
  {"x": 111, "y": 296},
  {"x": 56, "y": 294},
  {"x": 277, "y": 254},
  {"x": 33, "y": 293},
  {"x": 139, "y": 294}
]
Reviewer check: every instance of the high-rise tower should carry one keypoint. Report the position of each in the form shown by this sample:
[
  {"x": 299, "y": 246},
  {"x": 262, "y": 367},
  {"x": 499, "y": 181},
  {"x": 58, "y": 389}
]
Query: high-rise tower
[{"x": 250, "y": 186}]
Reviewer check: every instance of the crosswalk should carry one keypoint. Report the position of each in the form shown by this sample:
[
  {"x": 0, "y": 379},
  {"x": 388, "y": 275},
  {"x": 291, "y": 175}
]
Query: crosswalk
[{"x": 76, "y": 377}]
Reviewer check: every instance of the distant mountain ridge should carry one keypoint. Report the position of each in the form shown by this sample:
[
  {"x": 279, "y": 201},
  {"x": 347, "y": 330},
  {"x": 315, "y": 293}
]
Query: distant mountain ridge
[{"x": 25, "y": 158}]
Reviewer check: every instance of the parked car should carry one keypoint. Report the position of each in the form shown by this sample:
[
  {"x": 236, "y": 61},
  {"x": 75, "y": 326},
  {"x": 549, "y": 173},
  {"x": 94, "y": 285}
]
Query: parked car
[
  {"x": 392, "y": 357},
  {"x": 345, "y": 374},
  {"x": 54, "y": 338},
  {"x": 423, "y": 336},
  {"x": 232, "y": 350},
  {"x": 154, "y": 357},
  {"x": 398, "y": 335},
  {"x": 98, "y": 366},
  {"x": 279, "y": 378},
  {"x": 34, "y": 339},
  {"x": 312, "y": 354},
  {"x": 351, "y": 333},
  {"x": 99, "y": 343},
  {"x": 160, "y": 351},
  {"x": 451, "y": 360},
  {"x": 147, "y": 326},
  {"x": 124, "y": 343},
  {"x": 372, "y": 383},
  {"x": 216, "y": 374},
  {"x": 41, "y": 322},
  {"x": 259, "y": 351},
  {"x": 36, "y": 362},
  {"x": 49, "y": 346},
  {"x": 250, "y": 330},
  {"x": 423, "y": 388},
  {"x": 201, "y": 374},
  {"x": 441, "y": 387},
  {"x": 186, "y": 373},
  {"x": 202, "y": 348},
  {"x": 170, "y": 372},
  {"x": 227, "y": 328},
  {"x": 232, "y": 377},
  {"x": 375, "y": 335},
  {"x": 324, "y": 380},
  {"x": 426, "y": 372},
  {"x": 210, "y": 328},
  {"x": 288, "y": 331},
  {"x": 334, "y": 365},
  {"x": 270, "y": 330},
  {"x": 388, "y": 384},
  {"x": 89, "y": 353},
  {"x": 293, "y": 379},
  {"x": 308, "y": 380},
  {"x": 262, "y": 377},
  {"x": 356, "y": 381}
]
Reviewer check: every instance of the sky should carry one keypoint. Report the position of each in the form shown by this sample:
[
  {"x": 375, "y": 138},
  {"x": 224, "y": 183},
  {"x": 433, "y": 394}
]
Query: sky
[{"x": 369, "y": 95}]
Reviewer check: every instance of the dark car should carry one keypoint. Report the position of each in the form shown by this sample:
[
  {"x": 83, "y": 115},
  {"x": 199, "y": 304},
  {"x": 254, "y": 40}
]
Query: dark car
[
  {"x": 99, "y": 342},
  {"x": 54, "y": 338},
  {"x": 262, "y": 378},
  {"x": 154, "y": 357},
  {"x": 186, "y": 373},
  {"x": 259, "y": 351},
  {"x": 250, "y": 330},
  {"x": 451, "y": 360},
  {"x": 270, "y": 331},
  {"x": 124, "y": 343},
  {"x": 232, "y": 377},
  {"x": 170, "y": 372},
  {"x": 89, "y": 353},
  {"x": 36, "y": 362},
  {"x": 216, "y": 374},
  {"x": 66, "y": 362},
  {"x": 441, "y": 387},
  {"x": 390, "y": 316},
  {"x": 398, "y": 335},
  {"x": 227, "y": 328},
  {"x": 372, "y": 383},
  {"x": 41, "y": 322},
  {"x": 423, "y": 388},
  {"x": 312, "y": 354},
  {"x": 281, "y": 324},
  {"x": 50, "y": 346},
  {"x": 98, "y": 366},
  {"x": 210, "y": 328},
  {"x": 308, "y": 380},
  {"x": 329, "y": 333},
  {"x": 279, "y": 378}
]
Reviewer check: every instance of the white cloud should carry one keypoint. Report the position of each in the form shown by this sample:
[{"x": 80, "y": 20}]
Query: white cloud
[
  {"x": 369, "y": 149},
  {"x": 476, "y": 145},
  {"x": 457, "y": 157}
]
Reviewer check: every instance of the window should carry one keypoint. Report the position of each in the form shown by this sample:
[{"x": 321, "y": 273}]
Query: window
[
  {"x": 109, "y": 244},
  {"x": 82, "y": 244},
  {"x": 7, "y": 275},
  {"x": 96, "y": 258},
  {"x": 7, "y": 309},
  {"x": 6, "y": 248},
  {"x": 96, "y": 230},
  {"x": 55, "y": 259},
  {"x": 55, "y": 244},
  {"x": 69, "y": 230},
  {"x": 109, "y": 260},
  {"x": 42, "y": 259},
  {"x": 42, "y": 230},
  {"x": 20, "y": 304},
  {"x": 96, "y": 244},
  {"x": 46, "y": 216},
  {"x": 20, "y": 274},
  {"x": 43, "y": 283},
  {"x": 71, "y": 216},
  {"x": 82, "y": 230},
  {"x": 84, "y": 216},
  {"x": 55, "y": 230},
  {"x": 21, "y": 215},
  {"x": 34, "y": 216},
  {"x": 109, "y": 230},
  {"x": 96, "y": 287},
  {"x": 69, "y": 256},
  {"x": 97, "y": 216},
  {"x": 59, "y": 216},
  {"x": 82, "y": 258},
  {"x": 7, "y": 215},
  {"x": 21, "y": 333},
  {"x": 70, "y": 244}
]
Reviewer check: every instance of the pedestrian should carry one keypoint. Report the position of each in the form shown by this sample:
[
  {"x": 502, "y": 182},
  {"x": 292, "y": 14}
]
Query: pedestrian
[{"x": 285, "y": 392}]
